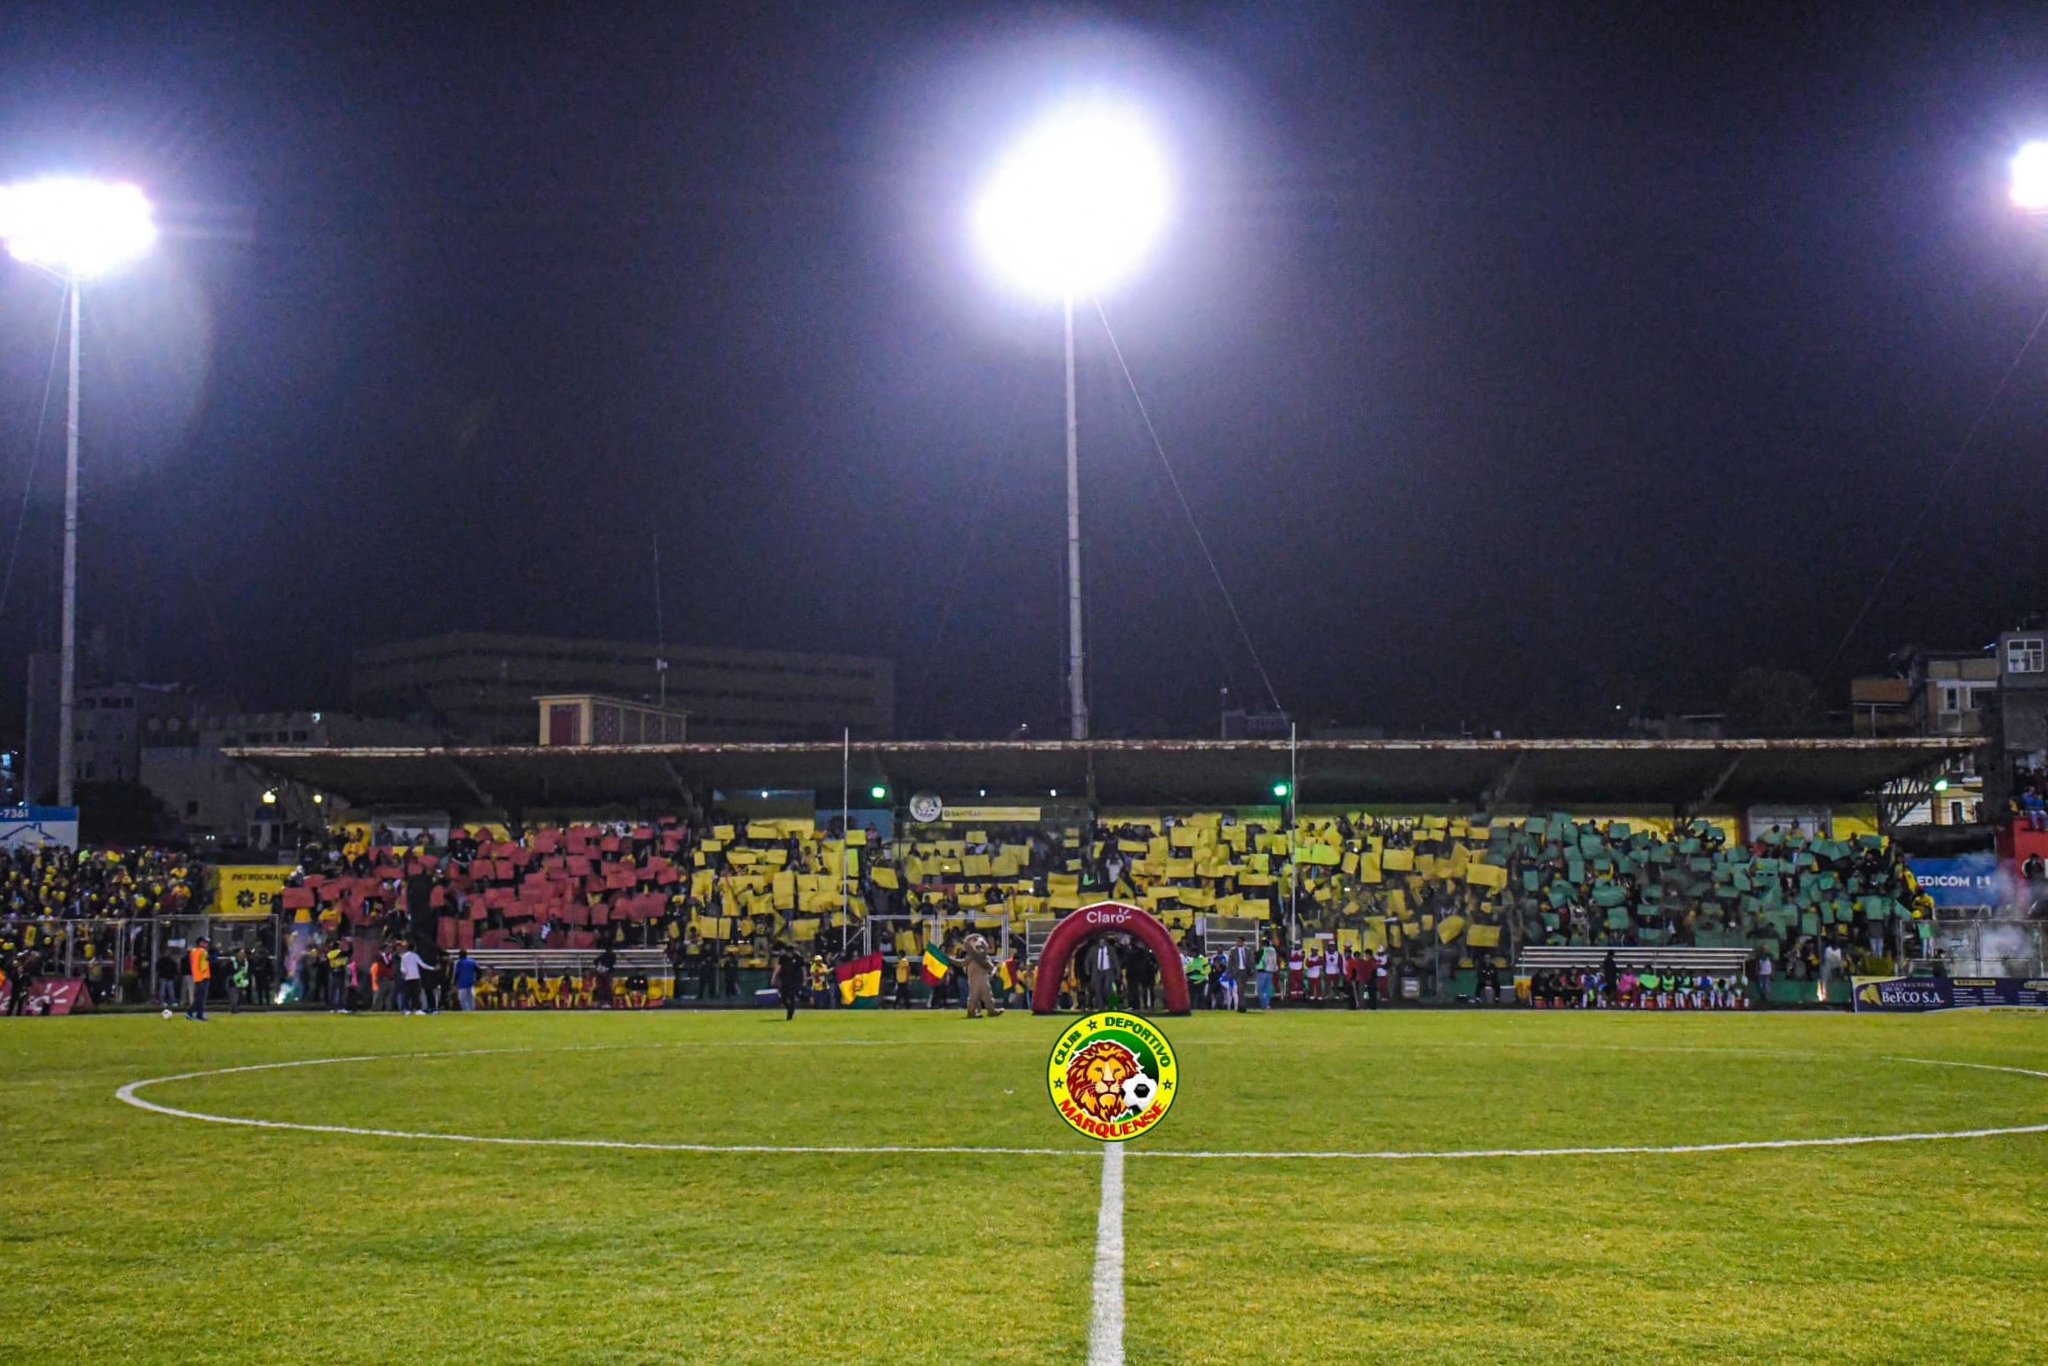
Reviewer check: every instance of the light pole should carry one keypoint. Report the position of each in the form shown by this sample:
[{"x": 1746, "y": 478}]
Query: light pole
[
  {"x": 1068, "y": 211},
  {"x": 74, "y": 229}
]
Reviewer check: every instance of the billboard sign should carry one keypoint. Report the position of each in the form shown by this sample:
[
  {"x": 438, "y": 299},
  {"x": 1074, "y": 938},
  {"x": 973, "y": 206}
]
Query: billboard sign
[
  {"x": 1969, "y": 880},
  {"x": 32, "y": 825},
  {"x": 1918, "y": 995}
]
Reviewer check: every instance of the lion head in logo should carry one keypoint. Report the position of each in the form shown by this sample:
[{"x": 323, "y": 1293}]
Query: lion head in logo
[{"x": 1097, "y": 1075}]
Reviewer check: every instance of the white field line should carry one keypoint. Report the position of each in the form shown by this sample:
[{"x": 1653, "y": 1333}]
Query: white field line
[
  {"x": 129, "y": 1095},
  {"x": 1106, "y": 1322}
]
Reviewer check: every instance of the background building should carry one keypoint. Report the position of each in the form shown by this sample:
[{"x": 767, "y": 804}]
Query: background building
[
  {"x": 479, "y": 688},
  {"x": 216, "y": 801},
  {"x": 1935, "y": 692}
]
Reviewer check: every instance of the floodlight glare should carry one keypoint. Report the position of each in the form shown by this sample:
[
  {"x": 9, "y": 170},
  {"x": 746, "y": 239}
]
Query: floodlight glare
[
  {"x": 1074, "y": 206},
  {"x": 2030, "y": 178},
  {"x": 75, "y": 228}
]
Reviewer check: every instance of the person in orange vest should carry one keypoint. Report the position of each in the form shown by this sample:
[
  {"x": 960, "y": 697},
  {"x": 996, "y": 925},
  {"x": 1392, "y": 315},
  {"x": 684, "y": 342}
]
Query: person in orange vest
[{"x": 202, "y": 980}]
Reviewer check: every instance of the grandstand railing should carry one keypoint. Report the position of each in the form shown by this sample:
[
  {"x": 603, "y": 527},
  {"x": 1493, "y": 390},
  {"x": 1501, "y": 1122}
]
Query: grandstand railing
[
  {"x": 118, "y": 957},
  {"x": 1991, "y": 946},
  {"x": 1712, "y": 961}
]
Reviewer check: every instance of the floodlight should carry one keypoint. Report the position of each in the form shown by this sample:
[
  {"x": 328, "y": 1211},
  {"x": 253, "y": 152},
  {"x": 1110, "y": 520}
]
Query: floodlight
[
  {"x": 75, "y": 228},
  {"x": 2030, "y": 178},
  {"x": 1076, "y": 203}
]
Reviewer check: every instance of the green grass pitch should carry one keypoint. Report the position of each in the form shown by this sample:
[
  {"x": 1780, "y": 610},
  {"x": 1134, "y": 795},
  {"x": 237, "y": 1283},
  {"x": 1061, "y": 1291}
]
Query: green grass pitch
[{"x": 136, "y": 1237}]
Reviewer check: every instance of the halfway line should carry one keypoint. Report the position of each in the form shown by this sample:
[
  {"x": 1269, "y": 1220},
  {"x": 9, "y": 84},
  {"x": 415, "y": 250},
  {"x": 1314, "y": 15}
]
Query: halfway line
[{"x": 1106, "y": 1324}]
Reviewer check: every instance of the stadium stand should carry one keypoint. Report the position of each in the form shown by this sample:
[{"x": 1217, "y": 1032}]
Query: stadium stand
[
  {"x": 1439, "y": 894},
  {"x": 1443, "y": 897}
]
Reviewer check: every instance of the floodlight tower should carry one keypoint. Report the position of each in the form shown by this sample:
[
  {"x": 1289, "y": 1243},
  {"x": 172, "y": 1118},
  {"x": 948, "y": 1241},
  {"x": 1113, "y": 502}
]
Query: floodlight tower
[
  {"x": 75, "y": 230},
  {"x": 1069, "y": 211}
]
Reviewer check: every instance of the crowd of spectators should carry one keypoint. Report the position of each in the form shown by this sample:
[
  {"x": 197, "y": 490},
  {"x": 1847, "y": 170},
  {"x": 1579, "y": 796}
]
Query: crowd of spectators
[{"x": 1430, "y": 896}]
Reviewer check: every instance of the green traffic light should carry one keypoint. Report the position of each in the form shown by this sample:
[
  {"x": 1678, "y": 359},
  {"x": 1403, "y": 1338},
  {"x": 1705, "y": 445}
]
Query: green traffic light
[
  {"x": 1941, "y": 784},
  {"x": 1280, "y": 790},
  {"x": 878, "y": 792}
]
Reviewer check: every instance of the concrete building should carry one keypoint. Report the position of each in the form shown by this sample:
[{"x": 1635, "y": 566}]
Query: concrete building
[
  {"x": 218, "y": 802},
  {"x": 108, "y": 729},
  {"x": 479, "y": 688},
  {"x": 2017, "y": 724},
  {"x": 1931, "y": 692},
  {"x": 1941, "y": 693}
]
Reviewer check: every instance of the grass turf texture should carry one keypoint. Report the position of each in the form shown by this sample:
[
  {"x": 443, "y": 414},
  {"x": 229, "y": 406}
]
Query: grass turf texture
[{"x": 144, "y": 1238}]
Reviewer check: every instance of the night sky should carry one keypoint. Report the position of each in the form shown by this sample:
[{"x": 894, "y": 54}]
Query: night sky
[{"x": 1517, "y": 365}]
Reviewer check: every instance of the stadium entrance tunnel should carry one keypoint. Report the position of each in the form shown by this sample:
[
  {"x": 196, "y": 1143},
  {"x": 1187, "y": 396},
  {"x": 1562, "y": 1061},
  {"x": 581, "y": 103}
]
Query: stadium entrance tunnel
[{"x": 1109, "y": 917}]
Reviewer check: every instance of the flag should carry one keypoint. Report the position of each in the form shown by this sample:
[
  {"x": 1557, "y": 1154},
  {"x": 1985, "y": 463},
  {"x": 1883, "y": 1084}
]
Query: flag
[
  {"x": 860, "y": 981},
  {"x": 1006, "y": 973},
  {"x": 935, "y": 966}
]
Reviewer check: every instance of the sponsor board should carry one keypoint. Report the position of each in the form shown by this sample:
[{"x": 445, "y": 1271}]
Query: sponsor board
[
  {"x": 248, "y": 889},
  {"x": 49, "y": 996},
  {"x": 1918, "y": 995},
  {"x": 28, "y": 826},
  {"x": 1970, "y": 880}
]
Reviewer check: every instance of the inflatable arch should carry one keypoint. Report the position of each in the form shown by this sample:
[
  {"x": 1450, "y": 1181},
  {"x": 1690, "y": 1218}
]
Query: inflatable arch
[{"x": 1109, "y": 917}]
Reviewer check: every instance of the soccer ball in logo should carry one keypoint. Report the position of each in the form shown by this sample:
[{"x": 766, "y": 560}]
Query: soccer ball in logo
[{"x": 1138, "y": 1091}]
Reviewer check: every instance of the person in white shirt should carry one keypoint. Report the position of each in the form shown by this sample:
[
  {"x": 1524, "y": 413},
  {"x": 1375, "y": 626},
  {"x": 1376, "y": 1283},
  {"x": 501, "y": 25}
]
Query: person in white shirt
[{"x": 410, "y": 965}]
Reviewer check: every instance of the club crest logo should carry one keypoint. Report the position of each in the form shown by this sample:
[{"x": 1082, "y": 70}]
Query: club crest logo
[{"x": 1112, "y": 1076}]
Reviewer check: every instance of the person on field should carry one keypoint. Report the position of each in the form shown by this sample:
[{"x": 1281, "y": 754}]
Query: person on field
[
  {"x": 1102, "y": 973},
  {"x": 202, "y": 980},
  {"x": 1242, "y": 958},
  {"x": 17, "y": 987},
  {"x": 409, "y": 966},
  {"x": 238, "y": 980},
  {"x": 465, "y": 980},
  {"x": 903, "y": 981},
  {"x": 975, "y": 960},
  {"x": 167, "y": 979},
  {"x": 1269, "y": 963},
  {"x": 789, "y": 981},
  {"x": 1226, "y": 983},
  {"x": 1196, "y": 966}
]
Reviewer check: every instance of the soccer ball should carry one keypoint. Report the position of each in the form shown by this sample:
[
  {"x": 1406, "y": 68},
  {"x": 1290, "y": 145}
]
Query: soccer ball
[
  {"x": 1139, "y": 1090},
  {"x": 167, "y": 1012}
]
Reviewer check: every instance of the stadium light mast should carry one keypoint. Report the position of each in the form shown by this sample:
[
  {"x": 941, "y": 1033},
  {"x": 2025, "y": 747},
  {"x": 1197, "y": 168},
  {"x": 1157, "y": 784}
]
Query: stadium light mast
[
  {"x": 1069, "y": 211},
  {"x": 76, "y": 230}
]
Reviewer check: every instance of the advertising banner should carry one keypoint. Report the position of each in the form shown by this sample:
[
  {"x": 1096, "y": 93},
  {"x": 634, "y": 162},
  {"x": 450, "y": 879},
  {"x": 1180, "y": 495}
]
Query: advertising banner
[
  {"x": 248, "y": 889},
  {"x": 49, "y": 996},
  {"x": 32, "y": 825},
  {"x": 1971, "y": 880},
  {"x": 1917, "y": 995}
]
